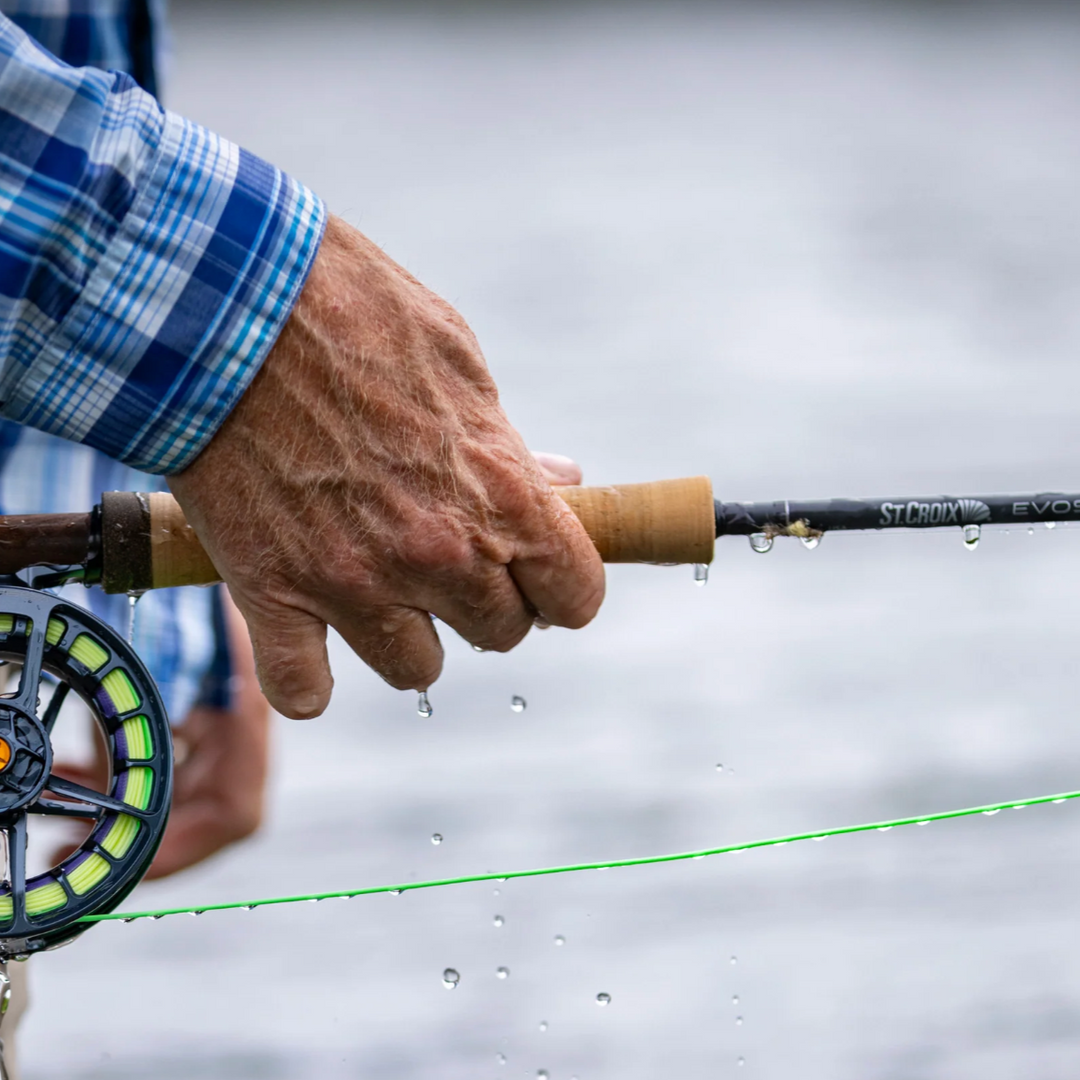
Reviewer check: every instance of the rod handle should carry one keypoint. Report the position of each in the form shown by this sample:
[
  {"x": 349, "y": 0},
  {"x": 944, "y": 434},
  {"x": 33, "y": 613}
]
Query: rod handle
[{"x": 146, "y": 542}]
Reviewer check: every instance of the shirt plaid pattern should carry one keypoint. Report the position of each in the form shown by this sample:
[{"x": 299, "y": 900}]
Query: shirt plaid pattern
[{"x": 146, "y": 264}]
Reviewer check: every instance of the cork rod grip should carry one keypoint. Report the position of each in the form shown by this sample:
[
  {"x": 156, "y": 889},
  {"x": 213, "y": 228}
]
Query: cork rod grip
[{"x": 148, "y": 544}]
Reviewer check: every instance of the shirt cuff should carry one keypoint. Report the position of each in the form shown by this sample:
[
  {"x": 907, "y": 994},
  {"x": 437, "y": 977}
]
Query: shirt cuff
[{"x": 183, "y": 307}]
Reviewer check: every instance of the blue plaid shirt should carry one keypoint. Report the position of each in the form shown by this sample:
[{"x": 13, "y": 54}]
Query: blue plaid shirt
[
  {"x": 146, "y": 264},
  {"x": 146, "y": 267}
]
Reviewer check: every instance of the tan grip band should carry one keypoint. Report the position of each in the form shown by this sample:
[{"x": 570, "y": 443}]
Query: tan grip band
[
  {"x": 667, "y": 521},
  {"x": 148, "y": 544}
]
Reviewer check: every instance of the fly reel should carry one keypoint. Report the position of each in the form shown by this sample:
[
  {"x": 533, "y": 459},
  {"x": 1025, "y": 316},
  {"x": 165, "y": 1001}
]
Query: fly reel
[{"x": 60, "y": 647}]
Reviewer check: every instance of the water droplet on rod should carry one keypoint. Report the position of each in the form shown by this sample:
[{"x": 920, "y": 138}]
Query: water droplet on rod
[
  {"x": 971, "y": 536},
  {"x": 603, "y": 999},
  {"x": 701, "y": 573},
  {"x": 761, "y": 543},
  {"x": 423, "y": 705},
  {"x": 502, "y": 973},
  {"x": 810, "y": 542},
  {"x": 518, "y": 704},
  {"x": 436, "y": 838},
  {"x": 450, "y": 978}
]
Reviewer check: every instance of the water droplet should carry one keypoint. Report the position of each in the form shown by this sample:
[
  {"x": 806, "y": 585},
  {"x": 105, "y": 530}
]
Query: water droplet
[
  {"x": 884, "y": 828},
  {"x": 479, "y": 648},
  {"x": 450, "y": 978},
  {"x": 541, "y": 623},
  {"x": 761, "y": 542},
  {"x": 738, "y": 1021},
  {"x": 502, "y": 973},
  {"x": 423, "y": 705},
  {"x": 971, "y": 536},
  {"x": 1031, "y": 530},
  {"x": 810, "y": 542},
  {"x": 133, "y": 599},
  {"x": 559, "y": 939},
  {"x": 498, "y": 920},
  {"x": 922, "y": 823},
  {"x": 1050, "y": 524},
  {"x": 542, "y": 1074},
  {"x": 603, "y": 999},
  {"x": 740, "y": 1061},
  {"x": 820, "y": 838},
  {"x": 1057, "y": 802},
  {"x": 734, "y": 999},
  {"x": 436, "y": 838},
  {"x": 158, "y": 917},
  {"x": 127, "y": 920},
  {"x": 990, "y": 813},
  {"x": 1019, "y": 806},
  {"x": 201, "y": 911},
  {"x": 734, "y": 960},
  {"x": 500, "y": 1058},
  {"x": 701, "y": 573},
  {"x": 396, "y": 892},
  {"x": 494, "y": 892},
  {"x": 719, "y": 766},
  {"x": 543, "y": 1025},
  {"x": 250, "y": 907},
  {"x": 517, "y": 704}
]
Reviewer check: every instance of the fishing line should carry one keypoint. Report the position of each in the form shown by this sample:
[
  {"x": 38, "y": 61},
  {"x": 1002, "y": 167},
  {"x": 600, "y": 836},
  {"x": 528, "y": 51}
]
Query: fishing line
[{"x": 648, "y": 860}]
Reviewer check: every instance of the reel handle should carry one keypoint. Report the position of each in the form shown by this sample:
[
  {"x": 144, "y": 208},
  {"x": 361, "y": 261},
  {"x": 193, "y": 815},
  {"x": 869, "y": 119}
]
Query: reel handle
[{"x": 146, "y": 542}]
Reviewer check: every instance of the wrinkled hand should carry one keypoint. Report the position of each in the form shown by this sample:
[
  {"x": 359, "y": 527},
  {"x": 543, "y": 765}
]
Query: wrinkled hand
[
  {"x": 367, "y": 477},
  {"x": 220, "y": 774}
]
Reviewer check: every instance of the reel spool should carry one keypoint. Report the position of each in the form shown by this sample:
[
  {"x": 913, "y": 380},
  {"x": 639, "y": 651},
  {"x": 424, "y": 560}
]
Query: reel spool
[{"x": 50, "y": 637}]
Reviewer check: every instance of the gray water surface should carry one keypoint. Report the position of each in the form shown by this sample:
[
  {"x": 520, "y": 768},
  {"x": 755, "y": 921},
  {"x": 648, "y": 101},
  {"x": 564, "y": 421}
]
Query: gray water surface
[{"x": 809, "y": 250}]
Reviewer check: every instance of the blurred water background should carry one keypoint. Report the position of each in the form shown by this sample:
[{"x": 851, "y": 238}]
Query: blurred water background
[{"x": 812, "y": 250}]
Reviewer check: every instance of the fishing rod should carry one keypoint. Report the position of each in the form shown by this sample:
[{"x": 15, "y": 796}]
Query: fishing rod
[{"x": 132, "y": 541}]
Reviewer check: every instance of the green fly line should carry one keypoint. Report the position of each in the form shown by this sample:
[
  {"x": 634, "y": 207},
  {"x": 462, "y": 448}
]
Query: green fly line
[{"x": 649, "y": 860}]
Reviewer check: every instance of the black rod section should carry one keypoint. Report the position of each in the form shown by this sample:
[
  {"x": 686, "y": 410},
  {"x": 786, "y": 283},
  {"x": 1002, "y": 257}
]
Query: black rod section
[{"x": 928, "y": 512}]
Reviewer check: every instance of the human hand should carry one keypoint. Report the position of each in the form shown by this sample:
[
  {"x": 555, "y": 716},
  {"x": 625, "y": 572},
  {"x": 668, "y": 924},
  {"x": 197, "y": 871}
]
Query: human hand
[
  {"x": 220, "y": 772},
  {"x": 369, "y": 477}
]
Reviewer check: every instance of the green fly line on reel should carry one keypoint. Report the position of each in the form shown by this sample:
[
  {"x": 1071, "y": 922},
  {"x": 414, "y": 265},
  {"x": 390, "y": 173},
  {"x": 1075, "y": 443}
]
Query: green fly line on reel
[{"x": 58, "y": 648}]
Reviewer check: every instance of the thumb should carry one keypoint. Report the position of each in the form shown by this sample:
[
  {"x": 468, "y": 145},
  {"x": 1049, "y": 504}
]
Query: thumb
[{"x": 290, "y": 658}]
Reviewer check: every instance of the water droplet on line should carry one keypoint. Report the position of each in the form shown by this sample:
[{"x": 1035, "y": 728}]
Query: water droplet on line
[
  {"x": 701, "y": 573},
  {"x": 559, "y": 939},
  {"x": 543, "y": 1025},
  {"x": 517, "y": 704},
  {"x": 396, "y": 892},
  {"x": 761, "y": 542},
  {"x": 810, "y": 542},
  {"x": 990, "y": 813},
  {"x": 423, "y": 705},
  {"x": 971, "y": 536},
  {"x": 450, "y": 978},
  {"x": 436, "y": 838},
  {"x": 603, "y": 999},
  {"x": 1050, "y": 524},
  {"x": 498, "y": 920},
  {"x": 502, "y": 973}
]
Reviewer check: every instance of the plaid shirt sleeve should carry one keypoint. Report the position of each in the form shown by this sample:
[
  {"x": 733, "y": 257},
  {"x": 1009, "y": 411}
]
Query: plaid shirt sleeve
[{"x": 146, "y": 265}]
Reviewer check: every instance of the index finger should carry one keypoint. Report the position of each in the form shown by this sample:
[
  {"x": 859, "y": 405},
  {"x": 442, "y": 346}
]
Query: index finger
[{"x": 564, "y": 580}]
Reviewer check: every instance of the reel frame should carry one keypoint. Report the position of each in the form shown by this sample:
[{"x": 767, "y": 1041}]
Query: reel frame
[{"x": 49, "y": 635}]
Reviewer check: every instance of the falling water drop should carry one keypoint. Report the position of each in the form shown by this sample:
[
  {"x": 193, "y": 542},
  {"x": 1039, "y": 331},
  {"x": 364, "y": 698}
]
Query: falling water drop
[
  {"x": 971, "y": 536},
  {"x": 436, "y": 838},
  {"x": 810, "y": 542},
  {"x": 1031, "y": 530},
  {"x": 450, "y": 978},
  {"x": 720, "y": 766},
  {"x": 740, "y": 1061},
  {"x": 500, "y": 1058},
  {"x": 543, "y": 1025},
  {"x": 542, "y": 1074},
  {"x": 603, "y": 999},
  {"x": 498, "y": 920},
  {"x": 133, "y": 599},
  {"x": 423, "y": 705},
  {"x": 734, "y": 999},
  {"x": 761, "y": 542},
  {"x": 701, "y": 573},
  {"x": 502, "y": 973},
  {"x": 494, "y": 892},
  {"x": 518, "y": 704},
  {"x": 559, "y": 939},
  {"x": 738, "y": 1021},
  {"x": 734, "y": 960}
]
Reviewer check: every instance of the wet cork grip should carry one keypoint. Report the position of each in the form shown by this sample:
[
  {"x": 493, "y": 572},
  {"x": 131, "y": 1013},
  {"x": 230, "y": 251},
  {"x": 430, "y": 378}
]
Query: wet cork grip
[
  {"x": 148, "y": 544},
  {"x": 667, "y": 521}
]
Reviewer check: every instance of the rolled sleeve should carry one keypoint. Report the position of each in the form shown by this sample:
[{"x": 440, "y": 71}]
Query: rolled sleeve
[{"x": 158, "y": 262}]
